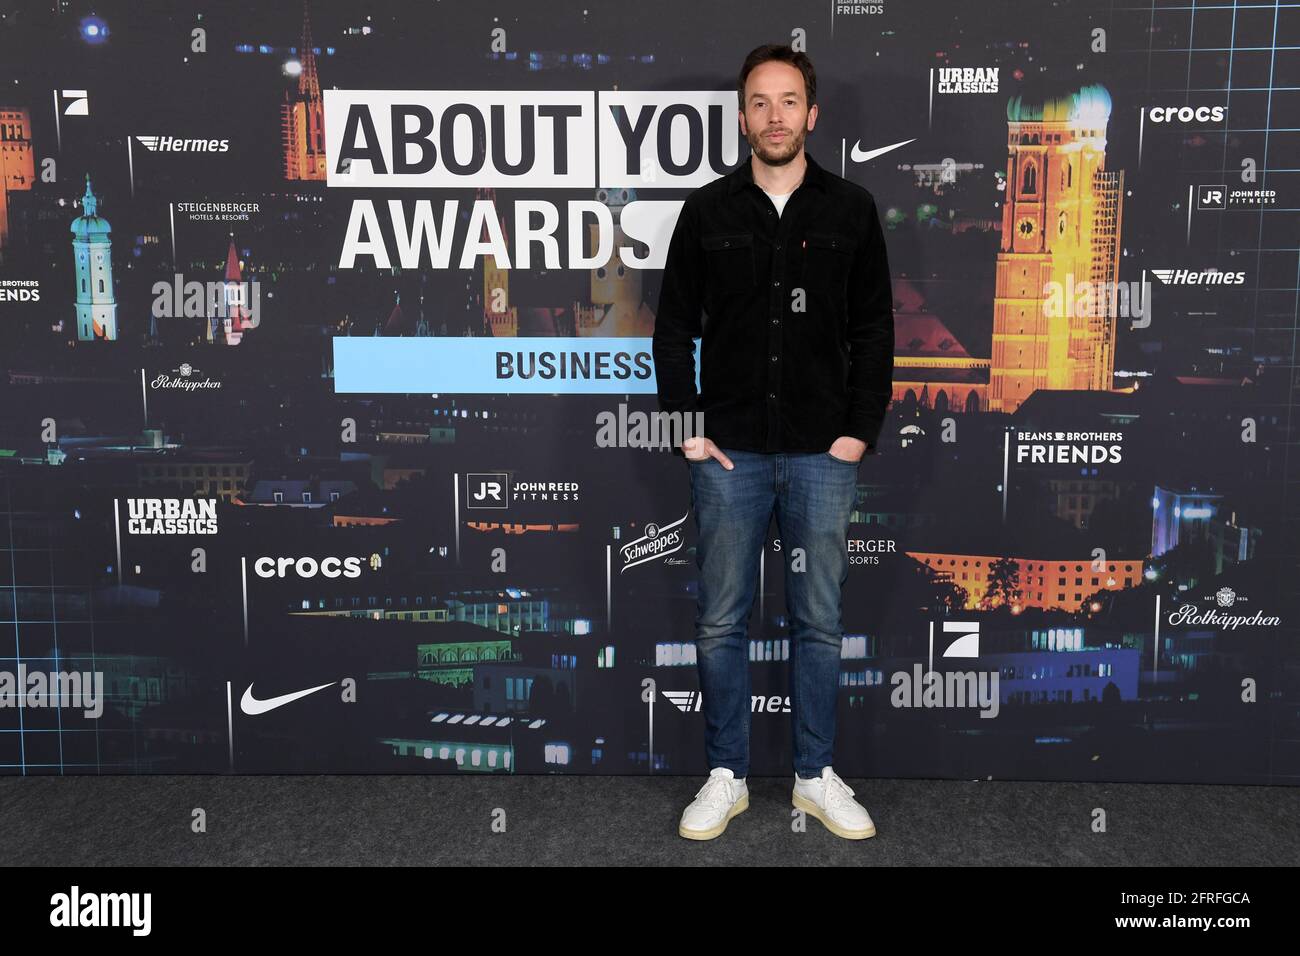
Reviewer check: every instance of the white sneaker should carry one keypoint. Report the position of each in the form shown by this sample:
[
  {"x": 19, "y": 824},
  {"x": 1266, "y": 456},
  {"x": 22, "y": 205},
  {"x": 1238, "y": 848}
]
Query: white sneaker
[
  {"x": 830, "y": 800},
  {"x": 720, "y": 799}
]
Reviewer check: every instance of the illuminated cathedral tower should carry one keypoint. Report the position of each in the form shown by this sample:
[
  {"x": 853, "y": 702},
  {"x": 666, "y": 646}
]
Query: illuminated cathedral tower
[
  {"x": 92, "y": 253},
  {"x": 1060, "y": 224},
  {"x": 302, "y": 117},
  {"x": 16, "y": 167}
]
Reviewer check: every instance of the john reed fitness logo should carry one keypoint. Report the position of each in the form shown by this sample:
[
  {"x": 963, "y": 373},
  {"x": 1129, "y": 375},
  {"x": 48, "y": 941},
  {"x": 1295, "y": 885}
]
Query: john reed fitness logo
[{"x": 495, "y": 489}]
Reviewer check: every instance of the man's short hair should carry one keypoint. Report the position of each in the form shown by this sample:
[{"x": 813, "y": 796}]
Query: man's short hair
[{"x": 786, "y": 54}]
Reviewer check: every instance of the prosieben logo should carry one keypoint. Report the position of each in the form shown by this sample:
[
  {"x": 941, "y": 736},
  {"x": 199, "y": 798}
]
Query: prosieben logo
[
  {"x": 175, "y": 144},
  {"x": 1204, "y": 277},
  {"x": 949, "y": 688}
]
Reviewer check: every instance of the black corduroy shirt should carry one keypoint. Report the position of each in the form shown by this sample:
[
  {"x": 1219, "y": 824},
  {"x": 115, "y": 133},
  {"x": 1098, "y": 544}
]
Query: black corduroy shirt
[{"x": 797, "y": 330}]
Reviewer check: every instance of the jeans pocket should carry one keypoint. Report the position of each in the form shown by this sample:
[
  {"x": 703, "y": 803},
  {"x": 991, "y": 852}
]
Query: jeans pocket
[{"x": 841, "y": 461}]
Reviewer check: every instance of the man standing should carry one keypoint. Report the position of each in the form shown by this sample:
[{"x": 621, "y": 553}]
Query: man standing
[{"x": 788, "y": 262}]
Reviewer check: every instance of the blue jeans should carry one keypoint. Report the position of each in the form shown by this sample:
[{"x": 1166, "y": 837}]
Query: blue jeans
[{"x": 813, "y": 494}]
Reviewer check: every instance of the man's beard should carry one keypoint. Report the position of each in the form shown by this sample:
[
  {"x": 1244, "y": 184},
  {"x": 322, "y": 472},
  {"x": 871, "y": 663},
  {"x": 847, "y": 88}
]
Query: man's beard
[{"x": 777, "y": 154}]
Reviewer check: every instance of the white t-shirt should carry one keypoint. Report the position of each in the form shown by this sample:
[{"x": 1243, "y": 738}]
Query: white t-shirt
[{"x": 780, "y": 200}]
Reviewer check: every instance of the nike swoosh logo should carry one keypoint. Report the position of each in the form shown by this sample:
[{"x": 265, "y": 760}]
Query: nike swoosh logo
[
  {"x": 859, "y": 155},
  {"x": 252, "y": 706}
]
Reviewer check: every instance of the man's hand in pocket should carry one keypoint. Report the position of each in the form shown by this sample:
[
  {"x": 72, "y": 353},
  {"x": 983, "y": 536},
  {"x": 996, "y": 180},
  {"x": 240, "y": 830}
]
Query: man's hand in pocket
[
  {"x": 702, "y": 449},
  {"x": 847, "y": 448}
]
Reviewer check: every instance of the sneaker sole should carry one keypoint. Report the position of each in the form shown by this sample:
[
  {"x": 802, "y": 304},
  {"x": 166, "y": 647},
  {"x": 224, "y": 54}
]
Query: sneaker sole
[
  {"x": 807, "y": 806},
  {"x": 740, "y": 806}
]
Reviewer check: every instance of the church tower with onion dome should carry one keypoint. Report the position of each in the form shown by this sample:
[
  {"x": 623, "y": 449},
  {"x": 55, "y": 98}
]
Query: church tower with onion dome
[{"x": 92, "y": 255}]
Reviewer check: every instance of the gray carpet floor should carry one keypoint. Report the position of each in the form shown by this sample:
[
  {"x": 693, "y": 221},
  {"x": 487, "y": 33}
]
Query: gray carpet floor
[{"x": 412, "y": 820}]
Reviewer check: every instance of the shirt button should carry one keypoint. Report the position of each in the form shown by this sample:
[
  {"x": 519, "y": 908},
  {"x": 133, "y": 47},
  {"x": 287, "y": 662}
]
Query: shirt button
[
  {"x": 773, "y": 358},
  {"x": 776, "y": 282},
  {"x": 771, "y": 394},
  {"x": 778, "y": 246},
  {"x": 776, "y": 321}
]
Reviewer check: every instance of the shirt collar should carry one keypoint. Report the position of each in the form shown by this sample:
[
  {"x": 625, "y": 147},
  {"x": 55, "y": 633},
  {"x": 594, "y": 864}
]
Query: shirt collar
[{"x": 743, "y": 174}]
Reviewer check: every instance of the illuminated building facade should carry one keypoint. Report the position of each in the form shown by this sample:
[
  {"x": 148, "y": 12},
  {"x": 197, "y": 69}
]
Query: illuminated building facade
[
  {"x": 1042, "y": 583},
  {"x": 17, "y": 169},
  {"x": 199, "y": 477},
  {"x": 1060, "y": 224},
  {"x": 931, "y": 367},
  {"x": 1180, "y": 516}
]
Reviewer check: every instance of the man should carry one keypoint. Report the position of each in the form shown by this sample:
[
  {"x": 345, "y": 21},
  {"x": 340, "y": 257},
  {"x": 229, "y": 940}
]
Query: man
[{"x": 796, "y": 362}]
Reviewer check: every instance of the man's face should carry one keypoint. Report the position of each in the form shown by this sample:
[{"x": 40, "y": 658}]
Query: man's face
[{"x": 776, "y": 118}]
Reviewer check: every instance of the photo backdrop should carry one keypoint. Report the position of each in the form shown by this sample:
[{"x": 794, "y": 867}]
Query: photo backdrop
[{"x": 327, "y": 385}]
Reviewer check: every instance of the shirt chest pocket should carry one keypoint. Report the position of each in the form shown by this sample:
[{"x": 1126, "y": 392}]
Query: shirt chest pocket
[
  {"x": 730, "y": 259},
  {"x": 826, "y": 260}
]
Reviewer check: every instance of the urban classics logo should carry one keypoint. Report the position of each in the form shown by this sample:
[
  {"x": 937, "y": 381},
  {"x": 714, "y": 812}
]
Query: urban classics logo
[
  {"x": 310, "y": 567},
  {"x": 235, "y": 306},
  {"x": 965, "y": 79},
  {"x": 657, "y": 542},
  {"x": 76, "y": 909},
  {"x": 186, "y": 378},
  {"x": 20, "y": 290},
  {"x": 175, "y": 144},
  {"x": 58, "y": 689},
  {"x": 171, "y": 516},
  {"x": 1068, "y": 448},
  {"x": 949, "y": 688},
  {"x": 690, "y": 701},
  {"x": 1204, "y": 277}
]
